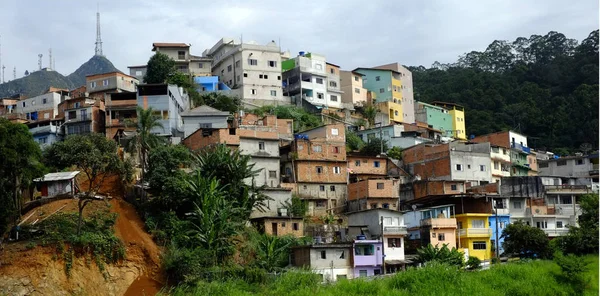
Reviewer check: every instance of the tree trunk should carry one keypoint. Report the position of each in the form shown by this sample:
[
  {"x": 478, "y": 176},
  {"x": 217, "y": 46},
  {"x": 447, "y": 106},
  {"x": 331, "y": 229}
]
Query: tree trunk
[
  {"x": 143, "y": 154},
  {"x": 81, "y": 205}
]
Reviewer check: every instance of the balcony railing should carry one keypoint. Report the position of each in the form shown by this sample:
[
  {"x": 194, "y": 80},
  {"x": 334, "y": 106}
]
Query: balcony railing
[
  {"x": 439, "y": 223},
  {"x": 401, "y": 230},
  {"x": 475, "y": 232},
  {"x": 567, "y": 188},
  {"x": 556, "y": 232},
  {"x": 520, "y": 147}
]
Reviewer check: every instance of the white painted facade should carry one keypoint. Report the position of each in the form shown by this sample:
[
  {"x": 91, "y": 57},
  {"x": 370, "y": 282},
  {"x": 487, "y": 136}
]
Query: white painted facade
[
  {"x": 500, "y": 163},
  {"x": 470, "y": 163},
  {"x": 253, "y": 71},
  {"x": 47, "y": 101},
  {"x": 517, "y": 139}
]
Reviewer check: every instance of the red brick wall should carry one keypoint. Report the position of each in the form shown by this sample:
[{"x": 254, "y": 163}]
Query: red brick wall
[
  {"x": 367, "y": 165},
  {"x": 304, "y": 150},
  {"x": 499, "y": 139},
  {"x": 306, "y": 171}
]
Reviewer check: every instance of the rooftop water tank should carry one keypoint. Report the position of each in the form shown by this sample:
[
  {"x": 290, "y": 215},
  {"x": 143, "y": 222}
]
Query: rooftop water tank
[
  {"x": 361, "y": 237},
  {"x": 301, "y": 53}
]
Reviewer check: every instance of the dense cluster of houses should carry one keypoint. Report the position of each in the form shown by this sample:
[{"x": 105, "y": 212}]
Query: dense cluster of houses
[{"x": 366, "y": 213}]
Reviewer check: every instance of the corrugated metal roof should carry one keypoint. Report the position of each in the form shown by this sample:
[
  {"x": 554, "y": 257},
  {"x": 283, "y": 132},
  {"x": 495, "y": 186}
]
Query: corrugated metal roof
[{"x": 57, "y": 176}]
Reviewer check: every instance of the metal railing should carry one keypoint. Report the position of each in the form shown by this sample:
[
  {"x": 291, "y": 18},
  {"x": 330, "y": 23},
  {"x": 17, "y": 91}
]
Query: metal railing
[{"x": 475, "y": 232}]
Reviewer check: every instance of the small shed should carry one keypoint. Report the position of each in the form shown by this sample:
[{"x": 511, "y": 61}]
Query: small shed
[{"x": 54, "y": 184}]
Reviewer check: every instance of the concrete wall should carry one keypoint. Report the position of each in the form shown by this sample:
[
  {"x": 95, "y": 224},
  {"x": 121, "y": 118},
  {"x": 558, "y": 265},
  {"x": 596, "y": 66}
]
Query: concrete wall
[
  {"x": 474, "y": 161},
  {"x": 279, "y": 197},
  {"x": 36, "y": 104},
  {"x": 367, "y": 165},
  {"x": 352, "y": 88},
  {"x": 569, "y": 167},
  {"x": 281, "y": 226},
  {"x": 437, "y": 117},
  {"x": 193, "y": 123},
  {"x": 110, "y": 81},
  {"x": 408, "y": 101},
  {"x": 372, "y": 189},
  {"x": 311, "y": 257}
]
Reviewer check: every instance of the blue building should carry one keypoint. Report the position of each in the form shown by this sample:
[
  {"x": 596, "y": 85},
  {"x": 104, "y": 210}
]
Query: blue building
[
  {"x": 47, "y": 132},
  {"x": 210, "y": 84},
  {"x": 502, "y": 222}
]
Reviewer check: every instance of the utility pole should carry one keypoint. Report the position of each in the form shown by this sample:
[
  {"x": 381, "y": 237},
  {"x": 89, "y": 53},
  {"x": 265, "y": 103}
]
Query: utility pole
[
  {"x": 496, "y": 213},
  {"x": 382, "y": 247}
]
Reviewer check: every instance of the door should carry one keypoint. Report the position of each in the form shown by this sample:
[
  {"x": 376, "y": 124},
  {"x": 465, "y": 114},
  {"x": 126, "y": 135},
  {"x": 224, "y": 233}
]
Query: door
[
  {"x": 45, "y": 189},
  {"x": 274, "y": 229}
]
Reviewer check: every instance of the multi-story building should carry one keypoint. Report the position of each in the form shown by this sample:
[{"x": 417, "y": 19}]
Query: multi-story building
[
  {"x": 373, "y": 194},
  {"x": 407, "y": 90},
  {"x": 279, "y": 225},
  {"x": 436, "y": 117},
  {"x": 388, "y": 87},
  {"x": 583, "y": 167},
  {"x": 457, "y": 114},
  {"x": 252, "y": 71},
  {"x": 47, "y": 132},
  {"x": 368, "y": 257},
  {"x": 305, "y": 79},
  {"x": 121, "y": 114},
  {"x": 100, "y": 85},
  {"x": 533, "y": 163},
  {"x": 334, "y": 87},
  {"x": 456, "y": 161},
  {"x": 384, "y": 225},
  {"x": 423, "y": 188},
  {"x": 499, "y": 220},
  {"x": 397, "y": 135},
  {"x": 517, "y": 144},
  {"x": 501, "y": 164},
  {"x": 210, "y": 84},
  {"x": 203, "y": 117},
  {"x": 316, "y": 162},
  {"x": 8, "y": 106},
  {"x": 83, "y": 116},
  {"x": 332, "y": 261},
  {"x": 167, "y": 103},
  {"x": 475, "y": 234},
  {"x": 432, "y": 225},
  {"x": 43, "y": 107},
  {"x": 364, "y": 167},
  {"x": 185, "y": 62},
  {"x": 352, "y": 89},
  {"x": 138, "y": 72}
]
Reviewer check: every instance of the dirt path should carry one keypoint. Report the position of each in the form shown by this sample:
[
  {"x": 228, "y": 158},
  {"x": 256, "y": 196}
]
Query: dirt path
[{"x": 130, "y": 228}]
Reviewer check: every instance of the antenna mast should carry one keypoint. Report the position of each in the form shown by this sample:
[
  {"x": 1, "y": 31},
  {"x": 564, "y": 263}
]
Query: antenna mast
[
  {"x": 14, "y": 73},
  {"x": 98, "y": 37},
  {"x": 3, "y": 67},
  {"x": 40, "y": 61},
  {"x": 50, "y": 59}
]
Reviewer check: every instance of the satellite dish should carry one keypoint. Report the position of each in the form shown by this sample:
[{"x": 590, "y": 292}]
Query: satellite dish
[{"x": 414, "y": 207}]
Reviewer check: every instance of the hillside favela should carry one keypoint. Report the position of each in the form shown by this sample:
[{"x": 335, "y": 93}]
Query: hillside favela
[{"x": 276, "y": 148}]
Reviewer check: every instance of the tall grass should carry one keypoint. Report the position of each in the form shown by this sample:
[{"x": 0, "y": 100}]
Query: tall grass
[{"x": 540, "y": 277}]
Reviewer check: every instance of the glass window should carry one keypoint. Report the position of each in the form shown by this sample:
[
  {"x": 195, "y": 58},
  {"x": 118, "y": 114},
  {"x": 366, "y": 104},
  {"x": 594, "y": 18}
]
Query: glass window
[
  {"x": 323, "y": 254},
  {"x": 394, "y": 242},
  {"x": 478, "y": 223},
  {"x": 261, "y": 145},
  {"x": 517, "y": 204},
  {"x": 357, "y": 163},
  {"x": 380, "y": 185},
  {"x": 362, "y": 273},
  {"x": 321, "y": 188},
  {"x": 479, "y": 245},
  {"x": 252, "y": 62},
  {"x": 376, "y": 163},
  {"x": 332, "y": 188},
  {"x": 319, "y": 169},
  {"x": 559, "y": 224}
]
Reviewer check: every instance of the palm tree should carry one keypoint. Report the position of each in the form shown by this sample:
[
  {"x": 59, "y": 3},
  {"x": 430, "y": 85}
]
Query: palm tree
[
  {"x": 370, "y": 112},
  {"x": 145, "y": 140}
]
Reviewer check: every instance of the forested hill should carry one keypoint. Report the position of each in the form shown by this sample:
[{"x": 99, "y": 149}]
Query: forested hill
[{"x": 546, "y": 87}]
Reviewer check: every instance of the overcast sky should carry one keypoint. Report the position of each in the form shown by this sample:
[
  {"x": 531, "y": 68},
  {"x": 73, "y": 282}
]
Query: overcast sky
[{"x": 349, "y": 33}]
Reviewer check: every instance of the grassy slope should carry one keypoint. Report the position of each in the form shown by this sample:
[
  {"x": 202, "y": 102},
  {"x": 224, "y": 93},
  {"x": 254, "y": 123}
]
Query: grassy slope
[{"x": 534, "y": 278}]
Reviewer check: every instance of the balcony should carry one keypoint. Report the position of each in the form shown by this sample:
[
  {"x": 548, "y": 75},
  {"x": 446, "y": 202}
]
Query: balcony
[
  {"x": 556, "y": 232},
  {"x": 520, "y": 147},
  {"x": 439, "y": 223},
  {"x": 475, "y": 232},
  {"x": 395, "y": 230},
  {"x": 80, "y": 118},
  {"x": 567, "y": 189}
]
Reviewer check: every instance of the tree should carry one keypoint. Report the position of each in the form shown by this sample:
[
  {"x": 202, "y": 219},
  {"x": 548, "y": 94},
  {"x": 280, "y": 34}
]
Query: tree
[
  {"x": 19, "y": 164},
  {"x": 442, "y": 255},
  {"x": 144, "y": 139},
  {"x": 395, "y": 153},
  {"x": 296, "y": 207},
  {"x": 93, "y": 154},
  {"x": 374, "y": 147},
  {"x": 369, "y": 112},
  {"x": 584, "y": 238},
  {"x": 219, "y": 101},
  {"x": 272, "y": 252},
  {"x": 303, "y": 120},
  {"x": 523, "y": 240},
  {"x": 160, "y": 67},
  {"x": 353, "y": 142},
  {"x": 473, "y": 263}
]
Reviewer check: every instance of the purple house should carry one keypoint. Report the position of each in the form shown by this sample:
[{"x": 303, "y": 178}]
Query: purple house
[{"x": 368, "y": 257}]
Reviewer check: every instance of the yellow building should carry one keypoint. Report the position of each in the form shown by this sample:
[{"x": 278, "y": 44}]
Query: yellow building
[
  {"x": 393, "y": 110},
  {"x": 457, "y": 112},
  {"x": 474, "y": 234}
]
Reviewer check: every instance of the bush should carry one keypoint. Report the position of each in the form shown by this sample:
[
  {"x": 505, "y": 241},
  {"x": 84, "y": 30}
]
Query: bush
[
  {"x": 473, "y": 263},
  {"x": 573, "y": 271},
  {"x": 441, "y": 255}
]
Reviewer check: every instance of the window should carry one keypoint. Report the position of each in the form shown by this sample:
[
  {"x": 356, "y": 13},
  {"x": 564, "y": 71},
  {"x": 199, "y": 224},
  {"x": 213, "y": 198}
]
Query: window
[
  {"x": 232, "y": 131},
  {"x": 332, "y": 188},
  {"x": 139, "y": 73},
  {"x": 373, "y": 205},
  {"x": 181, "y": 55},
  {"x": 337, "y": 170},
  {"x": 441, "y": 237},
  {"x": 260, "y": 76},
  {"x": 364, "y": 250},
  {"x": 459, "y": 167},
  {"x": 460, "y": 225},
  {"x": 580, "y": 161},
  {"x": 273, "y": 174},
  {"x": 320, "y": 96},
  {"x": 252, "y": 62},
  {"x": 283, "y": 224},
  {"x": 93, "y": 84},
  {"x": 319, "y": 169},
  {"x": 334, "y": 98},
  {"x": 332, "y": 71},
  {"x": 266, "y": 76},
  {"x": 396, "y": 113},
  {"x": 362, "y": 273},
  {"x": 332, "y": 83},
  {"x": 23, "y": 104},
  {"x": 319, "y": 80},
  {"x": 321, "y": 187},
  {"x": 357, "y": 90},
  {"x": 482, "y": 168},
  {"x": 261, "y": 145},
  {"x": 561, "y": 162},
  {"x": 381, "y": 90},
  {"x": 355, "y": 78},
  {"x": 559, "y": 224},
  {"x": 541, "y": 224},
  {"x": 295, "y": 226},
  {"x": 453, "y": 187},
  {"x": 273, "y": 93},
  {"x": 343, "y": 256},
  {"x": 478, "y": 223},
  {"x": 516, "y": 204},
  {"x": 496, "y": 165},
  {"x": 479, "y": 245},
  {"x": 565, "y": 200},
  {"x": 72, "y": 114},
  {"x": 253, "y": 91},
  {"x": 377, "y": 78},
  {"x": 323, "y": 254},
  {"x": 229, "y": 68},
  {"x": 394, "y": 242},
  {"x": 83, "y": 114},
  {"x": 357, "y": 163},
  {"x": 380, "y": 185},
  {"x": 386, "y": 205},
  {"x": 43, "y": 140},
  {"x": 468, "y": 166},
  {"x": 334, "y": 132},
  {"x": 336, "y": 149},
  {"x": 376, "y": 164},
  {"x": 238, "y": 78},
  {"x": 543, "y": 164},
  {"x": 44, "y": 101},
  {"x": 317, "y": 148},
  {"x": 245, "y": 74},
  {"x": 272, "y": 64},
  {"x": 200, "y": 65},
  {"x": 321, "y": 203},
  {"x": 319, "y": 67},
  {"x": 278, "y": 77}
]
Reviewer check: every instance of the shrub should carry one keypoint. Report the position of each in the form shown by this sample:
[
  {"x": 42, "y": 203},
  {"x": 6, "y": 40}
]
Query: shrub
[
  {"x": 473, "y": 263},
  {"x": 573, "y": 270},
  {"x": 442, "y": 255}
]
